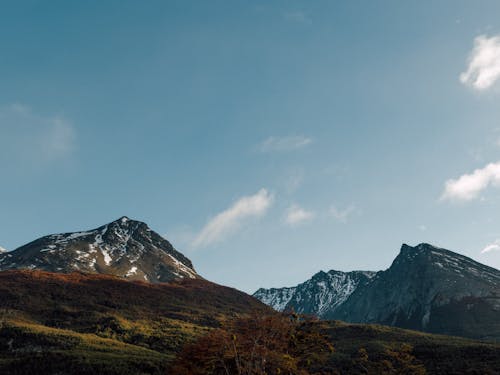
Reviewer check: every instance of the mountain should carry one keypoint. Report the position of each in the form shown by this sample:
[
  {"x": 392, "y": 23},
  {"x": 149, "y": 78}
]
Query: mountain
[
  {"x": 321, "y": 295},
  {"x": 2, "y": 250},
  {"x": 125, "y": 248},
  {"x": 433, "y": 290},
  {"x": 426, "y": 288}
]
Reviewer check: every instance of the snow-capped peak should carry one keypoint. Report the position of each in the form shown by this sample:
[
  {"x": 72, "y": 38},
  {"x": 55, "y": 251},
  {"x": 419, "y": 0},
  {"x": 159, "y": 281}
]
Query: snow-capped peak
[
  {"x": 2, "y": 250},
  {"x": 320, "y": 295},
  {"x": 124, "y": 247}
]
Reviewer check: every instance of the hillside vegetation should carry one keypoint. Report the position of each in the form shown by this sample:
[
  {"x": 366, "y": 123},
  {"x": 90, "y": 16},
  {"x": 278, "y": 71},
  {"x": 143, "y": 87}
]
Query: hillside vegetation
[
  {"x": 290, "y": 344},
  {"x": 90, "y": 322},
  {"x": 87, "y": 324}
]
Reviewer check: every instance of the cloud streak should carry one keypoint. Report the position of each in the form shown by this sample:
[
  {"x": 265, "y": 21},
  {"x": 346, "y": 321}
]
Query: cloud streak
[
  {"x": 294, "y": 180},
  {"x": 283, "y": 144},
  {"x": 469, "y": 186},
  {"x": 341, "y": 215},
  {"x": 296, "y": 215},
  {"x": 495, "y": 246},
  {"x": 298, "y": 16},
  {"x": 231, "y": 219},
  {"x": 484, "y": 63}
]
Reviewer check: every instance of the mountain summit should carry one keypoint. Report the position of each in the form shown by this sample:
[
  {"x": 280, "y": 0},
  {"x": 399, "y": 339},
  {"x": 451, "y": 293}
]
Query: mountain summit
[
  {"x": 430, "y": 289},
  {"x": 426, "y": 288},
  {"x": 124, "y": 247}
]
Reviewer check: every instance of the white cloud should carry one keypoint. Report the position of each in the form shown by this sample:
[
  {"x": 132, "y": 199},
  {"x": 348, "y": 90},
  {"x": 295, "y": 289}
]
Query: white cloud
[
  {"x": 484, "y": 63},
  {"x": 290, "y": 143},
  {"x": 341, "y": 215},
  {"x": 229, "y": 220},
  {"x": 34, "y": 139},
  {"x": 468, "y": 186},
  {"x": 296, "y": 215},
  {"x": 495, "y": 246}
]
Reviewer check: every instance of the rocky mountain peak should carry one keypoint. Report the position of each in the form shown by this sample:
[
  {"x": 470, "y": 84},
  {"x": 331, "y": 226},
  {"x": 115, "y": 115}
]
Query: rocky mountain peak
[
  {"x": 432, "y": 289},
  {"x": 124, "y": 247},
  {"x": 127, "y": 224},
  {"x": 426, "y": 288},
  {"x": 322, "y": 294},
  {"x": 408, "y": 251},
  {"x": 425, "y": 258}
]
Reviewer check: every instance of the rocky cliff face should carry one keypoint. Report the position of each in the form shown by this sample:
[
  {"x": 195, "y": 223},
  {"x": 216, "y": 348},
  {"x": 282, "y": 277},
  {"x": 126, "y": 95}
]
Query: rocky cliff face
[
  {"x": 125, "y": 247},
  {"x": 321, "y": 295},
  {"x": 430, "y": 289},
  {"x": 426, "y": 288}
]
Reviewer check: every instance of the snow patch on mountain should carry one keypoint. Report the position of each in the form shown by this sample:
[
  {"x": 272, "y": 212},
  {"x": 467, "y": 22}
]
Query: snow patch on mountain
[
  {"x": 321, "y": 294},
  {"x": 123, "y": 247},
  {"x": 183, "y": 267},
  {"x": 278, "y": 299},
  {"x": 131, "y": 271}
]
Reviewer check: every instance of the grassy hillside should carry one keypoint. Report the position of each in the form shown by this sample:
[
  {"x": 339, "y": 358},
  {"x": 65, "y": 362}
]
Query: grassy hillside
[
  {"x": 437, "y": 354},
  {"x": 104, "y": 322},
  {"x": 29, "y": 348},
  {"x": 88, "y": 324},
  {"x": 294, "y": 345}
]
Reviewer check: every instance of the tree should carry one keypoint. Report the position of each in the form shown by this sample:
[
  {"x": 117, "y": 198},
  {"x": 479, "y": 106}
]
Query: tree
[{"x": 273, "y": 344}]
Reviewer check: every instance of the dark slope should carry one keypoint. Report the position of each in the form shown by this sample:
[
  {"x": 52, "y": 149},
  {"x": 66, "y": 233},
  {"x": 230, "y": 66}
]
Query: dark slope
[
  {"x": 105, "y": 324},
  {"x": 426, "y": 288},
  {"x": 433, "y": 290}
]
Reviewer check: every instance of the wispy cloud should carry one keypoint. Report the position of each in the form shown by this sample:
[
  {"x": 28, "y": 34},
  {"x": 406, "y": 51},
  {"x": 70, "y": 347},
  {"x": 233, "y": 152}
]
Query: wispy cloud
[
  {"x": 296, "y": 215},
  {"x": 298, "y": 16},
  {"x": 32, "y": 138},
  {"x": 280, "y": 144},
  {"x": 342, "y": 215},
  {"x": 468, "y": 186},
  {"x": 229, "y": 220},
  {"x": 293, "y": 180},
  {"x": 484, "y": 63},
  {"x": 495, "y": 246}
]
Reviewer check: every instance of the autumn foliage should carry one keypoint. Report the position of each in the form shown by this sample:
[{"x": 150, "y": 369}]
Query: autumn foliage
[{"x": 272, "y": 344}]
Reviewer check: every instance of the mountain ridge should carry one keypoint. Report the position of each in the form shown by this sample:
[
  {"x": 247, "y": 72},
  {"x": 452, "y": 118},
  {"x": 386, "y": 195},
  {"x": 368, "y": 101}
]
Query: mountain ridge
[
  {"x": 311, "y": 296},
  {"x": 426, "y": 288}
]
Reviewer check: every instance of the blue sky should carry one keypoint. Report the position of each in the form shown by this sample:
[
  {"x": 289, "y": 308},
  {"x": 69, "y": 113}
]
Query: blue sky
[{"x": 266, "y": 139}]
